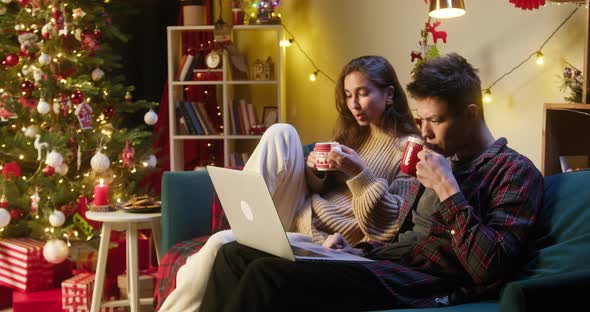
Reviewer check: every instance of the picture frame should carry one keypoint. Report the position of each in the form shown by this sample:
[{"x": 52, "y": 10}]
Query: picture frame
[{"x": 270, "y": 116}]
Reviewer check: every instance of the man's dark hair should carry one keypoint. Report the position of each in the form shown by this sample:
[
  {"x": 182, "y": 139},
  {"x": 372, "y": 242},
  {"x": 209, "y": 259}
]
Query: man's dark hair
[{"x": 449, "y": 78}]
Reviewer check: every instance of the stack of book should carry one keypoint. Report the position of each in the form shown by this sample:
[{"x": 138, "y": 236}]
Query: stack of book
[
  {"x": 193, "y": 119},
  {"x": 243, "y": 118}
]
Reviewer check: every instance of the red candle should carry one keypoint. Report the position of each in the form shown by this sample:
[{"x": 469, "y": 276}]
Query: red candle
[{"x": 101, "y": 194}]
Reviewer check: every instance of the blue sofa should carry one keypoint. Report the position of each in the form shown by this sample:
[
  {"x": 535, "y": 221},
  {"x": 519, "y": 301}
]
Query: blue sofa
[{"x": 559, "y": 275}]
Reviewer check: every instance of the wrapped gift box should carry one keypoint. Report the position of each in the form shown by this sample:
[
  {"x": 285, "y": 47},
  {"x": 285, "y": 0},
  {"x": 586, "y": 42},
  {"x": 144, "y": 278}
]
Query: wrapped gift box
[
  {"x": 116, "y": 263},
  {"x": 22, "y": 266},
  {"x": 76, "y": 292},
  {"x": 45, "y": 300},
  {"x": 146, "y": 285},
  {"x": 5, "y": 297}
]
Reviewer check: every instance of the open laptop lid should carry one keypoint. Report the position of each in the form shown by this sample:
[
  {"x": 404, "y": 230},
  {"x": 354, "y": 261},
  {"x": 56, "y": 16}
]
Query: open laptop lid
[{"x": 250, "y": 211}]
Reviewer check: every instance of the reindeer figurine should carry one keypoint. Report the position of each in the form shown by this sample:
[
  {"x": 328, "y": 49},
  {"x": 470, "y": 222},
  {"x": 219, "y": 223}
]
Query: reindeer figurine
[
  {"x": 435, "y": 33},
  {"x": 415, "y": 55}
]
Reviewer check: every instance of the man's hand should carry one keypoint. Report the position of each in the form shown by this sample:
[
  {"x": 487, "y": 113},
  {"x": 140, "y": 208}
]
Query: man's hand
[
  {"x": 346, "y": 160},
  {"x": 434, "y": 172},
  {"x": 337, "y": 242}
]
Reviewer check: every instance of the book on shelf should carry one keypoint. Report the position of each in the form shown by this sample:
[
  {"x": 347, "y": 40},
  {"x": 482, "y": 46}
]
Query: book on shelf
[
  {"x": 182, "y": 128},
  {"x": 210, "y": 124},
  {"x": 182, "y": 114},
  {"x": 244, "y": 116},
  {"x": 181, "y": 65},
  {"x": 201, "y": 117},
  {"x": 190, "y": 119},
  {"x": 252, "y": 114},
  {"x": 187, "y": 68},
  {"x": 232, "y": 121}
]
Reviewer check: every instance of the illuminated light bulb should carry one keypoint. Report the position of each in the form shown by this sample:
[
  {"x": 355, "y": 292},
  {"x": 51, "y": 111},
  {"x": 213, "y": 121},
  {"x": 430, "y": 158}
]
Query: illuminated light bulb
[
  {"x": 487, "y": 96},
  {"x": 314, "y": 76},
  {"x": 21, "y": 157},
  {"x": 118, "y": 200},
  {"x": 286, "y": 43},
  {"x": 540, "y": 59}
]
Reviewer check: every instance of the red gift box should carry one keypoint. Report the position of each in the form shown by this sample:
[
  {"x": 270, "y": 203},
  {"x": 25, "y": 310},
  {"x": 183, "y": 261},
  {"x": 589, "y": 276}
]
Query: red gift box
[
  {"x": 116, "y": 263},
  {"x": 76, "y": 292},
  {"x": 22, "y": 265},
  {"x": 45, "y": 300},
  {"x": 5, "y": 297}
]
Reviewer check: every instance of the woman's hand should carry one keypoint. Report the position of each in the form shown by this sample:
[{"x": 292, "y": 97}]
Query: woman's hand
[
  {"x": 337, "y": 242},
  {"x": 311, "y": 159},
  {"x": 346, "y": 160}
]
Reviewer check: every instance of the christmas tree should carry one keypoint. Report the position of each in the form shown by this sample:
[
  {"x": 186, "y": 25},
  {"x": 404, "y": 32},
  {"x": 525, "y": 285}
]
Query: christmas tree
[{"x": 62, "y": 112}]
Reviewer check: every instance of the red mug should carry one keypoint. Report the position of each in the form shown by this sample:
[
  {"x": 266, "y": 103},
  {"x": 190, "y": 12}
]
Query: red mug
[
  {"x": 321, "y": 151},
  {"x": 410, "y": 157}
]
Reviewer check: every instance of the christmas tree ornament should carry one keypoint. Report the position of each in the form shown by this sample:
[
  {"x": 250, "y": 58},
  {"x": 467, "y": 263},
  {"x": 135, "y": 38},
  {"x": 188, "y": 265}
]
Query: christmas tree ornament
[
  {"x": 78, "y": 34},
  {"x": 6, "y": 1},
  {"x": 97, "y": 74},
  {"x": 26, "y": 70},
  {"x": 3, "y": 201},
  {"x": 128, "y": 97},
  {"x": 27, "y": 39},
  {"x": 77, "y": 97},
  {"x": 39, "y": 145},
  {"x": 100, "y": 162},
  {"x": 89, "y": 42},
  {"x": 78, "y": 158},
  {"x": 62, "y": 170},
  {"x": 11, "y": 169},
  {"x": 19, "y": 27},
  {"x": 5, "y": 114},
  {"x": 150, "y": 161},
  {"x": 78, "y": 13},
  {"x": 15, "y": 214},
  {"x": 58, "y": 17},
  {"x": 150, "y": 118},
  {"x": 54, "y": 159},
  {"x": 84, "y": 114},
  {"x": 27, "y": 87},
  {"x": 108, "y": 112},
  {"x": 128, "y": 155},
  {"x": 528, "y": 4},
  {"x": 44, "y": 59},
  {"x": 48, "y": 171},
  {"x": 35, "y": 202},
  {"x": 57, "y": 218},
  {"x": 31, "y": 131},
  {"x": 11, "y": 59},
  {"x": 68, "y": 209},
  {"x": 55, "y": 251},
  {"x": 47, "y": 30},
  {"x": 55, "y": 108},
  {"x": 28, "y": 101},
  {"x": 24, "y": 2},
  {"x": 4, "y": 217},
  {"x": 43, "y": 107},
  {"x": 97, "y": 33},
  {"x": 2, "y": 9},
  {"x": 39, "y": 75}
]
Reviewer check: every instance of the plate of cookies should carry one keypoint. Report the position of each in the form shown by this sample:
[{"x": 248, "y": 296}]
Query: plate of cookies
[{"x": 141, "y": 204}]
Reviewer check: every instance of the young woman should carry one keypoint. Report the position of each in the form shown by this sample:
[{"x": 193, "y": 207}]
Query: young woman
[{"x": 360, "y": 199}]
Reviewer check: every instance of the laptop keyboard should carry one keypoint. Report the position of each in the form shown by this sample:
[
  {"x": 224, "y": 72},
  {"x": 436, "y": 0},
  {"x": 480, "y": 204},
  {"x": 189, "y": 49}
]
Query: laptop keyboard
[{"x": 302, "y": 252}]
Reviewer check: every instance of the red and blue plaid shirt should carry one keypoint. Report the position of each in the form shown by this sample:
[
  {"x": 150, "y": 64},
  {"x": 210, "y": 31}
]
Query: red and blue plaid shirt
[{"x": 478, "y": 237}]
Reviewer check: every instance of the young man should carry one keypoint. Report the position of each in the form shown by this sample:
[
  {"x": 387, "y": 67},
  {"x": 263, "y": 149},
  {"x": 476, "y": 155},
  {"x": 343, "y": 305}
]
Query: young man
[{"x": 464, "y": 227}]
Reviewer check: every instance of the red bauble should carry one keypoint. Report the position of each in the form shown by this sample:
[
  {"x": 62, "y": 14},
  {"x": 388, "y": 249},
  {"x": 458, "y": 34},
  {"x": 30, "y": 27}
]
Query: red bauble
[
  {"x": 48, "y": 171},
  {"x": 27, "y": 86},
  {"x": 58, "y": 17},
  {"x": 77, "y": 97},
  {"x": 24, "y": 2},
  {"x": 108, "y": 112},
  {"x": 68, "y": 209},
  {"x": 28, "y": 101},
  {"x": 97, "y": 33},
  {"x": 11, "y": 59},
  {"x": 15, "y": 214},
  {"x": 11, "y": 169}
]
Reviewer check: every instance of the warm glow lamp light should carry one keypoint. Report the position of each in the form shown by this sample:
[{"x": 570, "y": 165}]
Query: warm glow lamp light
[{"x": 446, "y": 8}]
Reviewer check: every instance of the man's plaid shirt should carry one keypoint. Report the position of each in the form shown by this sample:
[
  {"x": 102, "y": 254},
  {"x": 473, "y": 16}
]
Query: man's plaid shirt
[{"x": 478, "y": 236}]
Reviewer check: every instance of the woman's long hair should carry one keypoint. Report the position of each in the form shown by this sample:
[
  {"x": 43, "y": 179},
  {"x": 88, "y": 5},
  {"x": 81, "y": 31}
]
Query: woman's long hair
[{"x": 396, "y": 120}]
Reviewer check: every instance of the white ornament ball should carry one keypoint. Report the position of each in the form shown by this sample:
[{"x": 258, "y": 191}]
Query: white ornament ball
[
  {"x": 97, "y": 74},
  {"x": 62, "y": 170},
  {"x": 151, "y": 161},
  {"x": 55, "y": 251},
  {"x": 54, "y": 159},
  {"x": 150, "y": 118},
  {"x": 38, "y": 75},
  {"x": 43, "y": 107},
  {"x": 100, "y": 162},
  {"x": 4, "y": 217},
  {"x": 6, "y": 1},
  {"x": 44, "y": 59},
  {"x": 31, "y": 131},
  {"x": 26, "y": 70},
  {"x": 46, "y": 30},
  {"x": 57, "y": 218}
]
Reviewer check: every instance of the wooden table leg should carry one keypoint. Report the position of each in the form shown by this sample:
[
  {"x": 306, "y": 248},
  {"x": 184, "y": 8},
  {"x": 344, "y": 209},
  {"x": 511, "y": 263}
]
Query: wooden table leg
[
  {"x": 133, "y": 271},
  {"x": 103, "y": 252}
]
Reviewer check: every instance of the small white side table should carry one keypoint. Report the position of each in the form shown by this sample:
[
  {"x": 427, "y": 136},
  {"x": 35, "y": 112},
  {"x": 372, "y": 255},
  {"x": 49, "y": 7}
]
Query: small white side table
[{"x": 129, "y": 222}]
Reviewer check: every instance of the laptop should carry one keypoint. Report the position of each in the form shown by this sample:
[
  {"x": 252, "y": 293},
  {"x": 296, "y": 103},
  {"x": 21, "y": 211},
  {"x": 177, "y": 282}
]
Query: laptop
[{"x": 252, "y": 215}]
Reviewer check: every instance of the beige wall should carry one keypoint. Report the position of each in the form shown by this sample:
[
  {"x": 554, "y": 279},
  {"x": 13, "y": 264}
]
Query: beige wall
[{"x": 494, "y": 36}]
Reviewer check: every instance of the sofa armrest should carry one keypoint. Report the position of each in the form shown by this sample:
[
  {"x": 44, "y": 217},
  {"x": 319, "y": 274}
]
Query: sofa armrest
[
  {"x": 536, "y": 294},
  {"x": 186, "y": 206}
]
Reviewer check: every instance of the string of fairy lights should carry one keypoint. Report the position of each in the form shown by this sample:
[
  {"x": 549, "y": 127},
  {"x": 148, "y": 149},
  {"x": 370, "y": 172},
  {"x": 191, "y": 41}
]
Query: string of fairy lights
[{"x": 487, "y": 92}]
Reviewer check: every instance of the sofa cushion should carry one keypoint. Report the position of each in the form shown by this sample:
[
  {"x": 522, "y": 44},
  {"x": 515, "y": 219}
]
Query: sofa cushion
[{"x": 566, "y": 210}]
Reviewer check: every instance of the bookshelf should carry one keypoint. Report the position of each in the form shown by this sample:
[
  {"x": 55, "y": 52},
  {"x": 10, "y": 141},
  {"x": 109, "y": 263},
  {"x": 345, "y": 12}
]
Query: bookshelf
[
  {"x": 565, "y": 125},
  {"x": 252, "y": 41}
]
